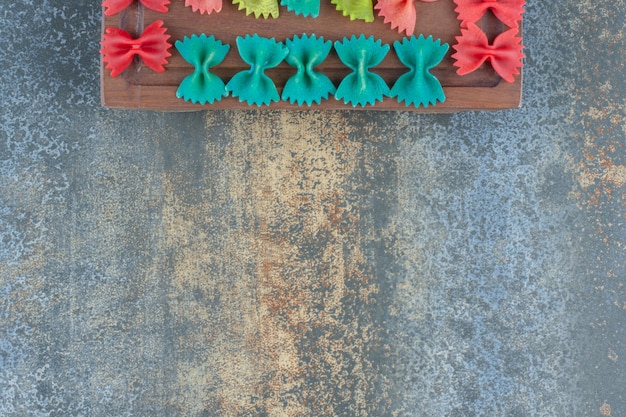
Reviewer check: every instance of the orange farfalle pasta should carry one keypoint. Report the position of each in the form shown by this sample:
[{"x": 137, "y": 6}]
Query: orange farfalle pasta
[
  {"x": 473, "y": 49},
  {"x": 400, "y": 13},
  {"x": 204, "y": 6},
  {"x": 508, "y": 12}
]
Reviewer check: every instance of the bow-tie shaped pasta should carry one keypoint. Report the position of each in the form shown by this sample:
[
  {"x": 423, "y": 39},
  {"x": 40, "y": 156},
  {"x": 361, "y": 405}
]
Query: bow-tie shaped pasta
[
  {"x": 265, "y": 8},
  {"x": 302, "y": 7},
  {"x": 508, "y": 12},
  {"x": 119, "y": 48},
  {"x": 361, "y": 86},
  {"x": 203, "y": 53},
  {"x": 204, "y": 6},
  {"x": 307, "y": 85},
  {"x": 473, "y": 48},
  {"x": 115, "y": 6},
  {"x": 356, "y": 9},
  {"x": 400, "y": 13},
  {"x": 419, "y": 86},
  {"x": 253, "y": 85}
]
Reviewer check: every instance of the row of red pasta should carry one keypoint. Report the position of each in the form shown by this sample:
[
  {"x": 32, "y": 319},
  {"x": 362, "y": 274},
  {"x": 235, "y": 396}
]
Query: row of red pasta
[
  {"x": 361, "y": 87},
  {"x": 401, "y": 14}
]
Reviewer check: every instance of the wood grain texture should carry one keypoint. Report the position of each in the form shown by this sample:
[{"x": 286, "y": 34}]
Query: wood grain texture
[{"x": 141, "y": 88}]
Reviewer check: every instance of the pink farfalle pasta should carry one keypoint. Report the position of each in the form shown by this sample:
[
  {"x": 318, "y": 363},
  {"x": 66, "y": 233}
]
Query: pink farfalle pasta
[
  {"x": 508, "y": 12},
  {"x": 204, "y": 6},
  {"x": 473, "y": 49},
  {"x": 113, "y": 7}
]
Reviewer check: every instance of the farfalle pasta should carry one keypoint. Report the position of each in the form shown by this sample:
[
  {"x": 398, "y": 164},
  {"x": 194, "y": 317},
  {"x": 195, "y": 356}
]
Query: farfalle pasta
[
  {"x": 356, "y": 9},
  {"x": 203, "y": 52},
  {"x": 508, "y": 12},
  {"x": 399, "y": 13},
  {"x": 307, "y": 85},
  {"x": 302, "y": 7},
  {"x": 473, "y": 49},
  {"x": 419, "y": 86},
  {"x": 253, "y": 86},
  {"x": 204, "y": 6},
  {"x": 119, "y": 48},
  {"x": 265, "y": 8},
  {"x": 361, "y": 87},
  {"x": 113, "y": 7}
]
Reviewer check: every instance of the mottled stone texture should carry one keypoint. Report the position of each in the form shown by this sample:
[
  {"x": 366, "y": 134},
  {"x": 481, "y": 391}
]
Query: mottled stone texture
[{"x": 312, "y": 263}]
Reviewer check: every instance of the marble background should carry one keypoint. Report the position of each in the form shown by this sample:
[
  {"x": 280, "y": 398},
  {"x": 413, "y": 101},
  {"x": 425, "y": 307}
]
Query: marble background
[{"x": 265, "y": 263}]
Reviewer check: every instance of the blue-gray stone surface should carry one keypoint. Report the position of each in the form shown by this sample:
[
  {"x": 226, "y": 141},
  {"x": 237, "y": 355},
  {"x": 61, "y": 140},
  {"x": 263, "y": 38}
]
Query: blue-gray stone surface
[{"x": 264, "y": 263}]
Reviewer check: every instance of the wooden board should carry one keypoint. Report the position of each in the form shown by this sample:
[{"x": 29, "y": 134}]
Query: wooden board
[{"x": 141, "y": 88}]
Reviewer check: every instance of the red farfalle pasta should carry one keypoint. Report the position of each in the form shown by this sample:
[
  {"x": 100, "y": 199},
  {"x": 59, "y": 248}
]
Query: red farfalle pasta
[
  {"x": 204, "y": 6},
  {"x": 400, "y": 13},
  {"x": 115, "y": 6},
  {"x": 473, "y": 49},
  {"x": 508, "y": 12},
  {"x": 119, "y": 48}
]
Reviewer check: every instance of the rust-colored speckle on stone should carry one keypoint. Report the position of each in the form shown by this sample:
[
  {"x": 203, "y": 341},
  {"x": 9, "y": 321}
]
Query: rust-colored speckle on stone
[{"x": 281, "y": 343}]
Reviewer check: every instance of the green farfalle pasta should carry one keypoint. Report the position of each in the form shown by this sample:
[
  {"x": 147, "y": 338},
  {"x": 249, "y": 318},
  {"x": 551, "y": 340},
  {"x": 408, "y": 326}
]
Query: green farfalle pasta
[
  {"x": 307, "y": 85},
  {"x": 203, "y": 53},
  {"x": 356, "y": 9},
  {"x": 265, "y": 8},
  {"x": 361, "y": 87},
  {"x": 252, "y": 85},
  {"x": 419, "y": 86}
]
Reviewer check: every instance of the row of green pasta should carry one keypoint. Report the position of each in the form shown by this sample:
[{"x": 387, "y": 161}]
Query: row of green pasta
[{"x": 360, "y": 87}]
